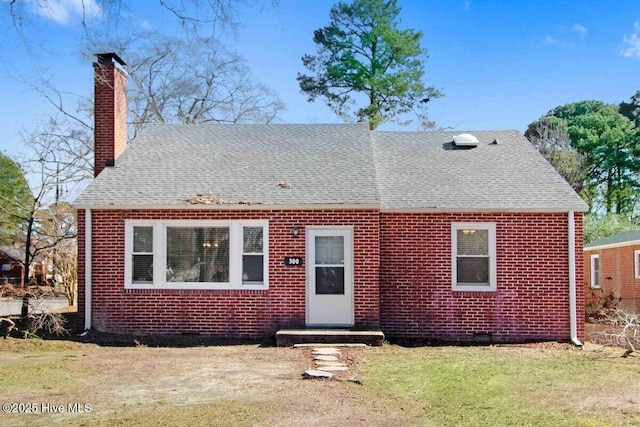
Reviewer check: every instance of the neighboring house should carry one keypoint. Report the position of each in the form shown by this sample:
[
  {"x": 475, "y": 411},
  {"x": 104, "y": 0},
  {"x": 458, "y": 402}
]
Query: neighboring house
[
  {"x": 612, "y": 265},
  {"x": 238, "y": 230},
  {"x": 11, "y": 266}
]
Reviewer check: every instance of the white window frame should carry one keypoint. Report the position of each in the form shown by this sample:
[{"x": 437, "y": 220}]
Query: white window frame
[
  {"x": 467, "y": 287},
  {"x": 595, "y": 283},
  {"x": 636, "y": 263},
  {"x": 236, "y": 248}
]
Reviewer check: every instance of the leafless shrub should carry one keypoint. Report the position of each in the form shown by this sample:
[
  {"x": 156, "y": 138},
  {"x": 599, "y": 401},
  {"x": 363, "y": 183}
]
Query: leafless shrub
[
  {"x": 600, "y": 305},
  {"x": 9, "y": 291},
  {"x": 41, "y": 319},
  {"x": 624, "y": 331},
  {"x": 52, "y": 323}
]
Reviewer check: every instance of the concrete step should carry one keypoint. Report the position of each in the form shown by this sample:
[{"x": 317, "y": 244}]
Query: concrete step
[{"x": 289, "y": 337}]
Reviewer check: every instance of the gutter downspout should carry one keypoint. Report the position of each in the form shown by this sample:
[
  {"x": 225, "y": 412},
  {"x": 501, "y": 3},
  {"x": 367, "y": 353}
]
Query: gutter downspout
[
  {"x": 573, "y": 316},
  {"x": 88, "y": 262}
]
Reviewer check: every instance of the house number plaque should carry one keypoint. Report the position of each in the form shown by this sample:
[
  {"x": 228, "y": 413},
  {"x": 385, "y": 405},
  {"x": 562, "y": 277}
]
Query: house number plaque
[{"x": 293, "y": 261}]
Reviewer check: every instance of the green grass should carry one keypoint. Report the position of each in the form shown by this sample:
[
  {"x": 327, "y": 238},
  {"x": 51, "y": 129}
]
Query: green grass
[
  {"x": 222, "y": 413},
  {"x": 507, "y": 386},
  {"x": 36, "y": 364}
]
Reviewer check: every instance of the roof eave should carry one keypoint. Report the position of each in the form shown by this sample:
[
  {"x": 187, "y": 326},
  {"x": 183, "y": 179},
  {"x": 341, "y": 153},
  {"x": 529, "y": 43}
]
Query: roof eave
[
  {"x": 326, "y": 206},
  {"x": 235, "y": 207},
  {"x": 442, "y": 209},
  {"x": 612, "y": 245}
]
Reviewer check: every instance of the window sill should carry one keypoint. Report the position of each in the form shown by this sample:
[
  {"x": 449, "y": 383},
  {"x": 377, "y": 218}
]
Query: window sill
[
  {"x": 194, "y": 286},
  {"x": 472, "y": 288}
]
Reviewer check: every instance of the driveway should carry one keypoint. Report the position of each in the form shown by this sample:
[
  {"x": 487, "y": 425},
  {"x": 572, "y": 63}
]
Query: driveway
[{"x": 13, "y": 306}]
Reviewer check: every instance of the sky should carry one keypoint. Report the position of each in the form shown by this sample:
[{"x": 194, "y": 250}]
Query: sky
[{"x": 501, "y": 65}]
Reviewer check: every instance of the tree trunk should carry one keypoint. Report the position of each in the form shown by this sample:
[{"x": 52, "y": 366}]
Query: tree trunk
[{"x": 24, "y": 313}]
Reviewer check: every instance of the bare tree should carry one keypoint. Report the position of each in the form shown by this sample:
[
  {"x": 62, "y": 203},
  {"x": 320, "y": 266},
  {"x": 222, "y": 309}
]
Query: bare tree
[
  {"x": 193, "y": 15},
  {"x": 60, "y": 220},
  {"x": 174, "y": 81},
  {"x": 52, "y": 169}
]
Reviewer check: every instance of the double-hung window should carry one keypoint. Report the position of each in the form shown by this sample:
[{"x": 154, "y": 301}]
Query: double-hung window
[
  {"x": 176, "y": 254},
  {"x": 595, "y": 271},
  {"x": 142, "y": 254},
  {"x": 252, "y": 255},
  {"x": 473, "y": 256},
  {"x": 636, "y": 263}
]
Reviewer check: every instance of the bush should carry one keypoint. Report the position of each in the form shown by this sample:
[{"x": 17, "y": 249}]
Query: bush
[
  {"x": 624, "y": 331},
  {"x": 600, "y": 305}
]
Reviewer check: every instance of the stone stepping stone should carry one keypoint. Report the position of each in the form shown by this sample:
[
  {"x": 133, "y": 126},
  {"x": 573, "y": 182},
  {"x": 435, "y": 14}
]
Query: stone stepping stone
[
  {"x": 325, "y": 351},
  {"x": 321, "y": 363},
  {"x": 324, "y": 358},
  {"x": 332, "y": 368},
  {"x": 316, "y": 373}
]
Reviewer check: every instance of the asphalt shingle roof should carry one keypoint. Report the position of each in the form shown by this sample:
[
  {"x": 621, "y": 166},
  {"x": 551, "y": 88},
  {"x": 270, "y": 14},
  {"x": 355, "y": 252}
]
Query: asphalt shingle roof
[
  {"x": 616, "y": 239},
  {"x": 12, "y": 252},
  {"x": 426, "y": 170},
  {"x": 261, "y": 164},
  {"x": 340, "y": 164}
]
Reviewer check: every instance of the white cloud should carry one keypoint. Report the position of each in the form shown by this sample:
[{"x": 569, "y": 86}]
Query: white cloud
[
  {"x": 633, "y": 48},
  {"x": 632, "y": 42},
  {"x": 146, "y": 25},
  {"x": 581, "y": 30},
  {"x": 64, "y": 11},
  {"x": 567, "y": 37}
]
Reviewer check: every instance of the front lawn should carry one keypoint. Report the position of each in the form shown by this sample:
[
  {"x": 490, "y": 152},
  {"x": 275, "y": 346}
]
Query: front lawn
[
  {"x": 537, "y": 385},
  {"x": 246, "y": 385}
]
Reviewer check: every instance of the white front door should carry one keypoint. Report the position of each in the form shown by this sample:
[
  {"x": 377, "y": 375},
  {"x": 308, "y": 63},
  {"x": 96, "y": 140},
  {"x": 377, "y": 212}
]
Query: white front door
[{"x": 329, "y": 277}]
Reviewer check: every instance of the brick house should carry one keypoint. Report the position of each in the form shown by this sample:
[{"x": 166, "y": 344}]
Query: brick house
[
  {"x": 239, "y": 230},
  {"x": 11, "y": 265},
  {"x": 612, "y": 265}
]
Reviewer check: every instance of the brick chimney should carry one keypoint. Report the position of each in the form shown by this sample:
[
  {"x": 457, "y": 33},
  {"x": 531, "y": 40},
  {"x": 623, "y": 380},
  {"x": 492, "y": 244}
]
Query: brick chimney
[{"x": 110, "y": 110}]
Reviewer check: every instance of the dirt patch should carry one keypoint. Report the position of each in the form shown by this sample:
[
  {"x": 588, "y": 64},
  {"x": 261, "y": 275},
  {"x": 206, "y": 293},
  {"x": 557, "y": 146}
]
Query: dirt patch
[{"x": 209, "y": 385}]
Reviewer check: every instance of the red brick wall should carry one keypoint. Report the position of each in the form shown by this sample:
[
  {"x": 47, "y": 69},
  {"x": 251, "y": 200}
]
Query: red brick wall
[
  {"x": 239, "y": 313},
  {"x": 110, "y": 88},
  {"x": 532, "y": 297},
  {"x": 617, "y": 275},
  {"x": 412, "y": 262}
]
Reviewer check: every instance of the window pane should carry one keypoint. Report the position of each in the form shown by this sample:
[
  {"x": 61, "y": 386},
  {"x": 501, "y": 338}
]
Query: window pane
[
  {"x": 142, "y": 239},
  {"x": 197, "y": 254},
  {"x": 473, "y": 242},
  {"x": 142, "y": 269},
  {"x": 473, "y": 270},
  {"x": 329, "y": 280},
  {"x": 329, "y": 250},
  {"x": 252, "y": 268},
  {"x": 252, "y": 240}
]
